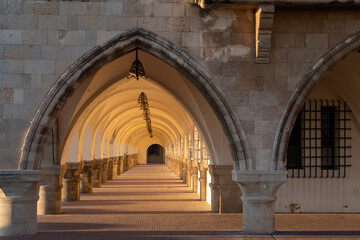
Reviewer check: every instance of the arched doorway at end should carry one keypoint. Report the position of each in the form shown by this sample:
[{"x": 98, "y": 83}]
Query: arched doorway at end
[{"x": 155, "y": 154}]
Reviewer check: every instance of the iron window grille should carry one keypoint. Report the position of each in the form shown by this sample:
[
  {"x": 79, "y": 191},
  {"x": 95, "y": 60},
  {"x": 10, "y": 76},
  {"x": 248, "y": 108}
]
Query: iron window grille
[{"x": 320, "y": 142}]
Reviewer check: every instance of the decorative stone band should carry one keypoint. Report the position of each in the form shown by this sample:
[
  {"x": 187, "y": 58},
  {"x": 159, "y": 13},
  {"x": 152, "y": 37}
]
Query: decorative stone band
[
  {"x": 258, "y": 199},
  {"x": 258, "y": 194},
  {"x": 19, "y": 199},
  {"x": 19, "y": 194}
]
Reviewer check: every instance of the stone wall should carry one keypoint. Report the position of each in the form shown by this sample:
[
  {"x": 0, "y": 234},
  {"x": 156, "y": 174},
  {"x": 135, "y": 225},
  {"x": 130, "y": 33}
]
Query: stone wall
[{"x": 39, "y": 40}]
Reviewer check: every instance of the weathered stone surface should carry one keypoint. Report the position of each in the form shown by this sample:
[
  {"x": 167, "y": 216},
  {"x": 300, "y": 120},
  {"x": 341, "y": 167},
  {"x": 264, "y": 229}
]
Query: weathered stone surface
[
  {"x": 86, "y": 175},
  {"x": 105, "y": 170},
  {"x": 39, "y": 40},
  {"x": 71, "y": 182},
  {"x": 258, "y": 195},
  {"x": 97, "y": 173},
  {"x": 50, "y": 193},
  {"x": 224, "y": 191},
  {"x": 19, "y": 194}
]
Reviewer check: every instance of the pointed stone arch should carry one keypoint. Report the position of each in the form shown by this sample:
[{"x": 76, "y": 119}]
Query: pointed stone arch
[
  {"x": 116, "y": 47},
  {"x": 303, "y": 89}
]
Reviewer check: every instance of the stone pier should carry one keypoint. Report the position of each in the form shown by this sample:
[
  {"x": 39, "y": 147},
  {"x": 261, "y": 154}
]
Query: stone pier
[
  {"x": 224, "y": 191},
  {"x": 87, "y": 176},
  {"x": 195, "y": 176},
  {"x": 258, "y": 195},
  {"x": 121, "y": 163},
  {"x": 105, "y": 170},
  {"x": 50, "y": 192},
  {"x": 71, "y": 189},
  {"x": 184, "y": 170},
  {"x": 111, "y": 168},
  {"x": 18, "y": 196},
  {"x": 203, "y": 182},
  {"x": 97, "y": 173},
  {"x": 188, "y": 172}
]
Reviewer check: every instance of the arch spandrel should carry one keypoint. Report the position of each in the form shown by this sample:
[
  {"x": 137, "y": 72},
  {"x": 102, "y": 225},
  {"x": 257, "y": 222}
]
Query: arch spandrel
[{"x": 119, "y": 46}]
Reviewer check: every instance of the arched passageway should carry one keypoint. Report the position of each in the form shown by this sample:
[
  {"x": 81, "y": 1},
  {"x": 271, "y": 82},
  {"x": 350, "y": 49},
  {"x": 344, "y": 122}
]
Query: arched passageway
[
  {"x": 98, "y": 122},
  {"x": 155, "y": 154},
  {"x": 171, "y": 68}
]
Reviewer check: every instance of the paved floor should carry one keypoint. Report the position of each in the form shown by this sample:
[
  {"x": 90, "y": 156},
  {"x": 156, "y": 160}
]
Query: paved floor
[{"x": 150, "y": 202}]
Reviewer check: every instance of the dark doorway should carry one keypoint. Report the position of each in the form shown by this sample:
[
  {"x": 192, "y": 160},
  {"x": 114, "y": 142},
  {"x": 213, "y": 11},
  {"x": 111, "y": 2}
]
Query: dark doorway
[{"x": 155, "y": 154}]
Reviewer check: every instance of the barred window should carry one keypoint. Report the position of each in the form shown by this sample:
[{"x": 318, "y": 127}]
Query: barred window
[{"x": 319, "y": 144}]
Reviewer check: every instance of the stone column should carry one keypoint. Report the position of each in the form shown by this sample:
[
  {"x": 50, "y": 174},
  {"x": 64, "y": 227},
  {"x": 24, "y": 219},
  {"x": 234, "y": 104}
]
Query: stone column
[
  {"x": 188, "y": 173},
  {"x": 171, "y": 164},
  {"x": 71, "y": 189},
  {"x": 87, "y": 176},
  {"x": 18, "y": 196},
  {"x": 115, "y": 167},
  {"x": 97, "y": 173},
  {"x": 203, "y": 182},
  {"x": 121, "y": 163},
  {"x": 50, "y": 200},
  {"x": 184, "y": 170},
  {"x": 125, "y": 162},
  {"x": 111, "y": 168},
  {"x": 259, "y": 189},
  {"x": 195, "y": 177},
  {"x": 215, "y": 198},
  {"x": 224, "y": 191},
  {"x": 180, "y": 168},
  {"x": 105, "y": 170},
  {"x": 176, "y": 165},
  {"x": 118, "y": 166}
]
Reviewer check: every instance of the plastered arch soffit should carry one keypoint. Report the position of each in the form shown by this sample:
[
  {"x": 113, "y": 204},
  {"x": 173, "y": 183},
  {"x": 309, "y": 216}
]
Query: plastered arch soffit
[
  {"x": 300, "y": 93},
  {"x": 118, "y": 46}
]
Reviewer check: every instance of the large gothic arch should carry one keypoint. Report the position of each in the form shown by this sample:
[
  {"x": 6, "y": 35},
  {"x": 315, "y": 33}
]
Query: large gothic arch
[
  {"x": 303, "y": 89},
  {"x": 118, "y": 46}
]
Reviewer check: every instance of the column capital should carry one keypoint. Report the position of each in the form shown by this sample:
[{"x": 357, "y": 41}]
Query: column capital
[
  {"x": 258, "y": 185},
  {"x": 73, "y": 169},
  {"x": 15, "y": 183},
  {"x": 97, "y": 164},
  {"x": 258, "y": 176}
]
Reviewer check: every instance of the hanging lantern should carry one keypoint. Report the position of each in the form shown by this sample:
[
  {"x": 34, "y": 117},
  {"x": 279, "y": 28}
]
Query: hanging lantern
[
  {"x": 137, "y": 70},
  {"x": 144, "y": 105}
]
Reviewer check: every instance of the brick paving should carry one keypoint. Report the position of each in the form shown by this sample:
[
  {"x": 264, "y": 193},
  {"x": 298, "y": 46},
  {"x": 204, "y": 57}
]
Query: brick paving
[{"x": 150, "y": 202}]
